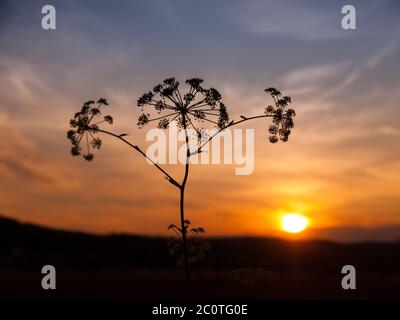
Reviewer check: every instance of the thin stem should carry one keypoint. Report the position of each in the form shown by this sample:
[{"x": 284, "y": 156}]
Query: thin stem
[
  {"x": 176, "y": 229},
  {"x": 209, "y": 113},
  {"x": 93, "y": 124},
  {"x": 87, "y": 142},
  {"x": 172, "y": 99},
  {"x": 93, "y": 137},
  {"x": 80, "y": 138},
  {"x": 210, "y": 109},
  {"x": 229, "y": 125},
  {"x": 174, "y": 117},
  {"x": 168, "y": 177},
  {"x": 201, "y": 105},
  {"x": 194, "y": 127},
  {"x": 159, "y": 118},
  {"x": 182, "y": 212},
  {"x": 165, "y": 107},
  {"x": 168, "y": 106},
  {"x": 178, "y": 95},
  {"x": 203, "y": 118},
  {"x": 197, "y": 103}
]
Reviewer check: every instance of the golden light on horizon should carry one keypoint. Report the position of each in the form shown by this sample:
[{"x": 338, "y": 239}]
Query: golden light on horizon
[{"x": 294, "y": 223}]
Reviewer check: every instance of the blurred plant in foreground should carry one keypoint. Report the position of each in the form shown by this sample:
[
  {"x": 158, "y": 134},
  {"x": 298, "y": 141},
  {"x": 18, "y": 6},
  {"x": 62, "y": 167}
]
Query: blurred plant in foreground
[{"x": 196, "y": 243}]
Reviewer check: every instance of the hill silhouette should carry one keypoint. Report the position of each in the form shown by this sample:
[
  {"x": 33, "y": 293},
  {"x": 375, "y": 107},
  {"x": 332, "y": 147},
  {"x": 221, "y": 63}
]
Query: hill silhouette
[
  {"x": 28, "y": 245},
  {"x": 25, "y": 248}
]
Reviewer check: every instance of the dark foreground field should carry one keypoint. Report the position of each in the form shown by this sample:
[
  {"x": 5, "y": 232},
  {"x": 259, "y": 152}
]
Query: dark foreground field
[
  {"x": 140, "y": 284},
  {"x": 128, "y": 267}
]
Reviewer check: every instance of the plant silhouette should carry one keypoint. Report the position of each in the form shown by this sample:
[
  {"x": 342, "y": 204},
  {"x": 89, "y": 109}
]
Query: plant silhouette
[{"x": 194, "y": 109}]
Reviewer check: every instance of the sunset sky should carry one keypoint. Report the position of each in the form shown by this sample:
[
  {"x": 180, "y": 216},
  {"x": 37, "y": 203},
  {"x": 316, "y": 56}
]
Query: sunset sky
[{"x": 340, "y": 167}]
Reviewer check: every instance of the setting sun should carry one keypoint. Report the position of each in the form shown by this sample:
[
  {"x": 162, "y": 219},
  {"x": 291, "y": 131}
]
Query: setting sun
[{"x": 294, "y": 223}]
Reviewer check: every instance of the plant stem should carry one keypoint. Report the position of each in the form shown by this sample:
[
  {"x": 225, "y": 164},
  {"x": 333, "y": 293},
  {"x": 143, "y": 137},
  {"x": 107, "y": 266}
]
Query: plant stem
[
  {"x": 184, "y": 241},
  {"x": 182, "y": 214},
  {"x": 182, "y": 186},
  {"x": 167, "y": 175},
  {"x": 233, "y": 123},
  {"x": 182, "y": 197}
]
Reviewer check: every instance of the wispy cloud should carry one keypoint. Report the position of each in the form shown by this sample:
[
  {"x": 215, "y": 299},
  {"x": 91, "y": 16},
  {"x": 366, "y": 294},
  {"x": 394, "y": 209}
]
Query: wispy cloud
[
  {"x": 382, "y": 54},
  {"x": 314, "y": 20},
  {"x": 315, "y": 74},
  {"x": 291, "y": 19}
]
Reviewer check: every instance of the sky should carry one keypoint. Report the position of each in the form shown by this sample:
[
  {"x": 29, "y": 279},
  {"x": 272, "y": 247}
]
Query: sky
[{"x": 340, "y": 167}]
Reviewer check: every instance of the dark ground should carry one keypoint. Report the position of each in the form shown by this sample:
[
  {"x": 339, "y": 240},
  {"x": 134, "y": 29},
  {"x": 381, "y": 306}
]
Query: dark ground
[{"x": 129, "y": 267}]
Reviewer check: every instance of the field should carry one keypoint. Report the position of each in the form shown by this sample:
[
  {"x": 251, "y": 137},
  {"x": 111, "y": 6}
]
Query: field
[{"x": 129, "y": 267}]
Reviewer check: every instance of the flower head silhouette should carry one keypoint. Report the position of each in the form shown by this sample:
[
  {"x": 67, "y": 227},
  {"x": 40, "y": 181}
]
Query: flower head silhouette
[
  {"x": 282, "y": 118},
  {"x": 85, "y": 125},
  {"x": 191, "y": 109}
]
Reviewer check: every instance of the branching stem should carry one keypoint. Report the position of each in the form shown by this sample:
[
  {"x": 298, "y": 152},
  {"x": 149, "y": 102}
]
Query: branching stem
[{"x": 167, "y": 175}]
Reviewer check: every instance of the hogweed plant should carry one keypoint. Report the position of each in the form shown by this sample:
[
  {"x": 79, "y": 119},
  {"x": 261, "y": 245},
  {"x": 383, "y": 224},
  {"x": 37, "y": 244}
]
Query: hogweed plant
[{"x": 194, "y": 109}]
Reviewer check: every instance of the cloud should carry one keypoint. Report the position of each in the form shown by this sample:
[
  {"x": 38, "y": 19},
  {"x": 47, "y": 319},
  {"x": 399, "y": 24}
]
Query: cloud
[
  {"x": 3, "y": 117},
  {"x": 320, "y": 85},
  {"x": 316, "y": 20},
  {"x": 21, "y": 170},
  {"x": 288, "y": 18},
  {"x": 314, "y": 74},
  {"x": 382, "y": 54},
  {"x": 388, "y": 130},
  {"x": 166, "y": 8}
]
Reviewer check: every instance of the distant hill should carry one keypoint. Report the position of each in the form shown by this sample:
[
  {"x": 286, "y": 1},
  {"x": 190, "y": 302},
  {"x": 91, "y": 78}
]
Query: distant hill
[
  {"x": 346, "y": 234},
  {"x": 27, "y": 246}
]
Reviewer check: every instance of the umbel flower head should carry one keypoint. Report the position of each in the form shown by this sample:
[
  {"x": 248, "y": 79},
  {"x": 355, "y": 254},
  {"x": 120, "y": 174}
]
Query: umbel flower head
[
  {"x": 191, "y": 109},
  {"x": 282, "y": 116},
  {"x": 84, "y": 127}
]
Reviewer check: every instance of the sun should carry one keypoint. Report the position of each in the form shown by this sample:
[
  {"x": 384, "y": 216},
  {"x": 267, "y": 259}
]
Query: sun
[{"x": 294, "y": 223}]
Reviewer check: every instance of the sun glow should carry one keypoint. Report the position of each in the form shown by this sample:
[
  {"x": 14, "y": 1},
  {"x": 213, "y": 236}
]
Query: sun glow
[{"x": 294, "y": 223}]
